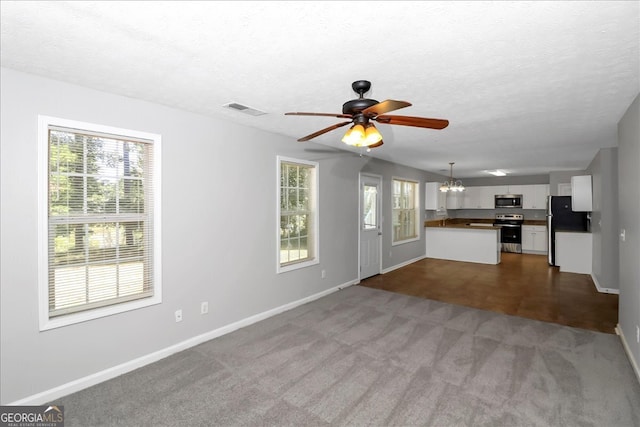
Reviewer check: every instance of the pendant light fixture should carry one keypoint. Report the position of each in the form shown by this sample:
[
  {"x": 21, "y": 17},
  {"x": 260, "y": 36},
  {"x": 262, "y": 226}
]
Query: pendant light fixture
[{"x": 451, "y": 185}]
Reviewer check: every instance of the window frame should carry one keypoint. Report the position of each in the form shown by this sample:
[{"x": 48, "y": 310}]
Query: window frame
[
  {"x": 416, "y": 209},
  {"x": 45, "y": 321},
  {"x": 314, "y": 200}
]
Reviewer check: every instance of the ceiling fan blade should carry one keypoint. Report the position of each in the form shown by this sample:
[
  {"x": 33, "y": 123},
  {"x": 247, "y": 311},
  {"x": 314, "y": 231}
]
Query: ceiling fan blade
[
  {"x": 325, "y": 130},
  {"x": 340, "y": 116},
  {"x": 385, "y": 107},
  {"x": 419, "y": 122}
]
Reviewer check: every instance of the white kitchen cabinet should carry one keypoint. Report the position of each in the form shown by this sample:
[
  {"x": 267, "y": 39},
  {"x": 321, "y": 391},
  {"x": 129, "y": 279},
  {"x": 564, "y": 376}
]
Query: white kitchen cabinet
[
  {"x": 534, "y": 239},
  {"x": 471, "y": 198},
  {"x": 455, "y": 199},
  {"x": 474, "y": 244},
  {"x": 581, "y": 196},
  {"x": 528, "y": 194},
  {"x": 434, "y": 199},
  {"x": 573, "y": 252},
  {"x": 535, "y": 196},
  {"x": 500, "y": 189},
  {"x": 514, "y": 189},
  {"x": 482, "y": 197},
  {"x": 487, "y": 197}
]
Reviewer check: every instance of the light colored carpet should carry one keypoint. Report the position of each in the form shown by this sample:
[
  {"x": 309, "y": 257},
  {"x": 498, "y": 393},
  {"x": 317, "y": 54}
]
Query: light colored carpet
[{"x": 363, "y": 356}]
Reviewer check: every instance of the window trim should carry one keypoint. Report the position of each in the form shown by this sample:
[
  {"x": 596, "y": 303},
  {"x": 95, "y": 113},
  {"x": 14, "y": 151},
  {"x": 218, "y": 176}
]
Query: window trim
[
  {"x": 416, "y": 208},
  {"x": 45, "y": 322},
  {"x": 316, "y": 215}
]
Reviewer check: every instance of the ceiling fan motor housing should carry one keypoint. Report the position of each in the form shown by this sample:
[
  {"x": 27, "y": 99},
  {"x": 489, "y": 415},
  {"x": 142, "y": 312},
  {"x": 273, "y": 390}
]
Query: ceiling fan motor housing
[{"x": 357, "y": 105}]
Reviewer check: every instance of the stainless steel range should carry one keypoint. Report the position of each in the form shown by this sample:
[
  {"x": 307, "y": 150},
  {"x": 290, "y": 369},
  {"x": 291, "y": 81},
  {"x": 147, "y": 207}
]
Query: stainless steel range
[{"x": 511, "y": 233}]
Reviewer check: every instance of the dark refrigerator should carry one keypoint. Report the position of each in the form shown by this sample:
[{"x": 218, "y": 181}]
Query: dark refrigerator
[{"x": 560, "y": 217}]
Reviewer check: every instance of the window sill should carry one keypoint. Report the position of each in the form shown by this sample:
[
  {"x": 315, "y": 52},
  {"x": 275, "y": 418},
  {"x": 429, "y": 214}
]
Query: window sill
[
  {"x": 83, "y": 316},
  {"x": 402, "y": 242},
  {"x": 297, "y": 266}
]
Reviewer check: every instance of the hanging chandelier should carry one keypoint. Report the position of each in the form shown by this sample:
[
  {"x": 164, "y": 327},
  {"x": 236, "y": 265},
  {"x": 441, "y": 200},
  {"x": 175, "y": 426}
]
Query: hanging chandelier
[{"x": 451, "y": 185}]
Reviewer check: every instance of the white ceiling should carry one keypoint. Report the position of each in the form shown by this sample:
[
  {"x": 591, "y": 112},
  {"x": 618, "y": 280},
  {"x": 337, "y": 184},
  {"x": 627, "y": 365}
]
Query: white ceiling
[{"x": 528, "y": 87}]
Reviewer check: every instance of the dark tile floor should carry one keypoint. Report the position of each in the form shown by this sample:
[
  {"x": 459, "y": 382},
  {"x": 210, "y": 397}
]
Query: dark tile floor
[{"x": 521, "y": 285}]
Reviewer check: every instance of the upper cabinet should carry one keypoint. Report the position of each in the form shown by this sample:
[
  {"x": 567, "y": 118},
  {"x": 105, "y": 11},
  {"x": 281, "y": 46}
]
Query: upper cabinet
[
  {"x": 507, "y": 189},
  {"x": 581, "y": 196},
  {"x": 434, "y": 199},
  {"x": 455, "y": 200},
  {"x": 471, "y": 198},
  {"x": 515, "y": 189},
  {"x": 500, "y": 189},
  {"x": 482, "y": 197},
  {"x": 535, "y": 196}
]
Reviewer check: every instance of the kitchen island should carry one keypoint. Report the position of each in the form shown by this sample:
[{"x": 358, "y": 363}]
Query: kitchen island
[{"x": 467, "y": 242}]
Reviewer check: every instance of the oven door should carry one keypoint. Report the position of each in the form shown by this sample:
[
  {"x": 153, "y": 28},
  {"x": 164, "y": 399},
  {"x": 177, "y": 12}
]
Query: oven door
[{"x": 511, "y": 238}]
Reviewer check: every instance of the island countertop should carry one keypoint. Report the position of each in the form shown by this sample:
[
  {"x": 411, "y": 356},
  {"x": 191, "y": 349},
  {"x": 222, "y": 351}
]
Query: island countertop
[
  {"x": 462, "y": 223},
  {"x": 473, "y": 223}
]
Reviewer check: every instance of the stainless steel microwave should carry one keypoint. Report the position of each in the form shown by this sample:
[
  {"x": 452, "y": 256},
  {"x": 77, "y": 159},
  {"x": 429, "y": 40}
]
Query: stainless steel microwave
[{"x": 508, "y": 201}]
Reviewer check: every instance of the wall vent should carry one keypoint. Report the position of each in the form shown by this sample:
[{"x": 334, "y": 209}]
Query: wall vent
[{"x": 243, "y": 109}]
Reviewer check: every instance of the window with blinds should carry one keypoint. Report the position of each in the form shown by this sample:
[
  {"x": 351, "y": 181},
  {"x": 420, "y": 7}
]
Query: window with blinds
[
  {"x": 101, "y": 222},
  {"x": 405, "y": 212},
  {"x": 297, "y": 214}
]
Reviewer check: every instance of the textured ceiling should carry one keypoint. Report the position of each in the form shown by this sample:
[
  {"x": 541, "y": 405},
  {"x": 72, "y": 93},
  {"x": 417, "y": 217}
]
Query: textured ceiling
[{"x": 528, "y": 87}]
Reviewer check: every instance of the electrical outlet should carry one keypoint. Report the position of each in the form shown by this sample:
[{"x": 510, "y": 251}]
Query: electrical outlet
[
  {"x": 638, "y": 334},
  {"x": 323, "y": 274},
  {"x": 204, "y": 307},
  {"x": 178, "y": 315}
]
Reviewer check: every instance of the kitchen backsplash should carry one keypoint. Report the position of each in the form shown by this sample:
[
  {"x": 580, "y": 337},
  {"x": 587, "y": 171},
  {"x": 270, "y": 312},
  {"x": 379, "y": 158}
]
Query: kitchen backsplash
[{"x": 529, "y": 214}]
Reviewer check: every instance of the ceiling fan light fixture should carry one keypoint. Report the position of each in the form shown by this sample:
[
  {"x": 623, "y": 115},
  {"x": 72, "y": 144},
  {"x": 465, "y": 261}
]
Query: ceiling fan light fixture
[
  {"x": 372, "y": 135},
  {"x": 357, "y": 136}
]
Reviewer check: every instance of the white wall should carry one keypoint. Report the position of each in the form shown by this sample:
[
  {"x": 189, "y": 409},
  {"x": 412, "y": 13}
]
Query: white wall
[
  {"x": 629, "y": 219},
  {"x": 506, "y": 180},
  {"x": 397, "y": 255},
  {"x": 561, "y": 177},
  {"x": 604, "y": 218},
  {"x": 218, "y": 225}
]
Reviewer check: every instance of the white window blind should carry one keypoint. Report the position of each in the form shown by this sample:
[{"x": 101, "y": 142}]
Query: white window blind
[
  {"x": 406, "y": 215},
  {"x": 100, "y": 220},
  {"x": 297, "y": 231}
]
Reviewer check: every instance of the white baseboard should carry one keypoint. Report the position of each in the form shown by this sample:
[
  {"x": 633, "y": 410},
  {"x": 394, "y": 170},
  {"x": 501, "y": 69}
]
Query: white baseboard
[
  {"x": 107, "y": 374},
  {"x": 601, "y": 289},
  {"x": 403, "y": 264},
  {"x": 625, "y": 344}
]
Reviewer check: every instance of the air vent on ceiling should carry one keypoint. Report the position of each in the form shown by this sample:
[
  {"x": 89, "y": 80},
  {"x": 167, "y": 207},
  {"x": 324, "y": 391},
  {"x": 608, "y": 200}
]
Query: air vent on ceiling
[{"x": 244, "y": 109}]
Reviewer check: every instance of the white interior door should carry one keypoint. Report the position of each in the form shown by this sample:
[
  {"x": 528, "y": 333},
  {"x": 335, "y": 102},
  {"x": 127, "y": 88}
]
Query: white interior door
[{"x": 370, "y": 225}]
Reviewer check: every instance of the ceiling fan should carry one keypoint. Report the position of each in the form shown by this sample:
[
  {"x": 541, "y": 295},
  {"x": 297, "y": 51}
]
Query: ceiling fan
[{"x": 363, "y": 111}]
